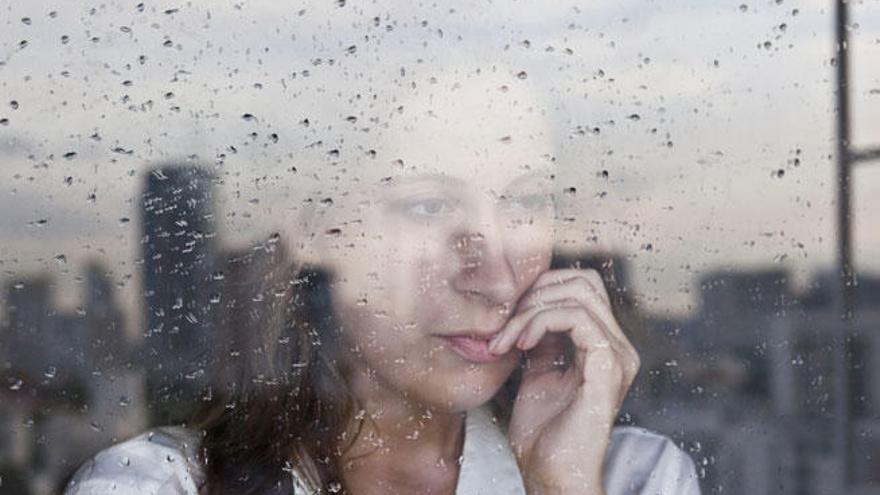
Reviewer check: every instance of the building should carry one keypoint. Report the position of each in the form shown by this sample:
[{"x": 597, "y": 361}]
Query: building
[
  {"x": 72, "y": 387},
  {"x": 244, "y": 282},
  {"x": 178, "y": 246}
]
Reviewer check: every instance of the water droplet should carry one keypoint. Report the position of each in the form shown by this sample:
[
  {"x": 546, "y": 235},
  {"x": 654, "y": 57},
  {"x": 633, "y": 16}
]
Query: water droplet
[
  {"x": 522, "y": 74},
  {"x": 14, "y": 104},
  {"x": 61, "y": 259},
  {"x": 16, "y": 384}
]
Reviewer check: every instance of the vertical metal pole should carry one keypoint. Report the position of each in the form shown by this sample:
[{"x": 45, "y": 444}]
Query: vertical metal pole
[{"x": 843, "y": 304}]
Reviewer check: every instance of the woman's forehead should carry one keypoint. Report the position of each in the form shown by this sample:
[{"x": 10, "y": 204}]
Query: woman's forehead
[{"x": 464, "y": 135}]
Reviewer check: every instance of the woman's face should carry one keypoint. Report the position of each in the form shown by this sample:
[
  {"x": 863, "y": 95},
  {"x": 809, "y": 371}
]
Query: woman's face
[{"x": 430, "y": 260}]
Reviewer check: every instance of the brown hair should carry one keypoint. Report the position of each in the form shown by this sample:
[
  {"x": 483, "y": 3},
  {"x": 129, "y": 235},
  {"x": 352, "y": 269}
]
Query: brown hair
[{"x": 286, "y": 404}]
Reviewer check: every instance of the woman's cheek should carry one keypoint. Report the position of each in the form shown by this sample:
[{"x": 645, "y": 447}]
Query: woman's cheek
[{"x": 531, "y": 255}]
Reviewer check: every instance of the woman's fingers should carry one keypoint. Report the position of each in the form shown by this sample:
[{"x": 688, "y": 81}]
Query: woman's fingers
[
  {"x": 554, "y": 287},
  {"x": 586, "y": 332},
  {"x": 561, "y": 276},
  {"x": 504, "y": 341},
  {"x": 585, "y": 286},
  {"x": 580, "y": 289},
  {"x": 567, "y": 301}
]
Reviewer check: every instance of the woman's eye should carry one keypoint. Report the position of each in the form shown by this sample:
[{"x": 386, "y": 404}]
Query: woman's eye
[{"x": 429, "y": 207}]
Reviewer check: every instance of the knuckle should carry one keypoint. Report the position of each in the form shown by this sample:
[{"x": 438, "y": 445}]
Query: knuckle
[
  {"x": 636, "y": 363},
  {"x": 633, "y": 369},
  {"x": 594, "y": 275},
  {"x": 585, "y": 288}
]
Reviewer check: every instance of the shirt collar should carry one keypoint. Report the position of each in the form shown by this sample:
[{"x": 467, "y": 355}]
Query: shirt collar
[{"x": 488, "y": 465}]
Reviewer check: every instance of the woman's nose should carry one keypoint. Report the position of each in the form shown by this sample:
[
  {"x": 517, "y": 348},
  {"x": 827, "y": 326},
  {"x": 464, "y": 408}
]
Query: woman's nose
[{"x": 486, "y": 268}]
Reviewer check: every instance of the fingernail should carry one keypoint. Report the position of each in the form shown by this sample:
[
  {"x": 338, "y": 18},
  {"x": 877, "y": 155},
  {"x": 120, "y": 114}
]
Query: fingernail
[{"x": 493, "y": 344}]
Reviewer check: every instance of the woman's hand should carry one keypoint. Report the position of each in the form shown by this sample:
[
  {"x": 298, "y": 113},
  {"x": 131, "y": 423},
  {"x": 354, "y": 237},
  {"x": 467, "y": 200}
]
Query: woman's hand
[{"x": 566, "y": 404}]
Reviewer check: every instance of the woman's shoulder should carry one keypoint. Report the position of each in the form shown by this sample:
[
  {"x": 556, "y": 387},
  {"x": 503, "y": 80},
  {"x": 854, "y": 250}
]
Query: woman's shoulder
[
  {"x": 160, "y": 460},
  {"x": 643, "y": 462}
]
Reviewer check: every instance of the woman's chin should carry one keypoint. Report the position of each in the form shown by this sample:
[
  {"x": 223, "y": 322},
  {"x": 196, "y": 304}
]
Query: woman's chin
[{"x": 464, "y": 396}]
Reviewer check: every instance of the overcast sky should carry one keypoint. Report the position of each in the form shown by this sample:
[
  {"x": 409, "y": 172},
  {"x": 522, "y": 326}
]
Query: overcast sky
[{"x": 716, "y": 119}]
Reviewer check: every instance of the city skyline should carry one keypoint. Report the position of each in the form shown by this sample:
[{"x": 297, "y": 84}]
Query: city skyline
[{"x": 742, "y": 147}]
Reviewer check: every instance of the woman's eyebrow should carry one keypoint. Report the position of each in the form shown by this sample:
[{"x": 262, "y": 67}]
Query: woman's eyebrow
[
  {"x": 536, "y": 176},
  {"x": 433, "y": 177}
]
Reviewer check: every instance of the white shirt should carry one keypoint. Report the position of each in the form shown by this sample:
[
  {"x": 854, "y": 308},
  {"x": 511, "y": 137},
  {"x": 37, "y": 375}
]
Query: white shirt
[{"x": 163, "y": 461}]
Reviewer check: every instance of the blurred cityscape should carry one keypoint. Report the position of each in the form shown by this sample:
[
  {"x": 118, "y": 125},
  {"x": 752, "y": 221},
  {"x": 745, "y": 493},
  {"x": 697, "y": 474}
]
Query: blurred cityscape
[{"x": 743, "y": 383}]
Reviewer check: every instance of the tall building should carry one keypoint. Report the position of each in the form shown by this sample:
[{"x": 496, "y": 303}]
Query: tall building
[
  {"x": 244, "y": 285},
  {"x": 29, "y": 316},
  {"x": 106, "y": 340},
  {"x": 178, "y": 247}
]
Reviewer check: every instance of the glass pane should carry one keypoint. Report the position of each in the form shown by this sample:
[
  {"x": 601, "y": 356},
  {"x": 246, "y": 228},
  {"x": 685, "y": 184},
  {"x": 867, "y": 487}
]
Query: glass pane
[{"x": 268, "y": 246}]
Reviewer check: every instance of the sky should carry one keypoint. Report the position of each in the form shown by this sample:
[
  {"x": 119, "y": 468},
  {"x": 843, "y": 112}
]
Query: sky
[{"x": 714, "y": 118}]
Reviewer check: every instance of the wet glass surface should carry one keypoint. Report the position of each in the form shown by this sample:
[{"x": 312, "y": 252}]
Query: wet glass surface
[{"x": 300, "y": 227}]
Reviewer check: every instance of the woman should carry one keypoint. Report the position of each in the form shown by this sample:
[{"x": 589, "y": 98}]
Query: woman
[{"x": 421, "y": 343}]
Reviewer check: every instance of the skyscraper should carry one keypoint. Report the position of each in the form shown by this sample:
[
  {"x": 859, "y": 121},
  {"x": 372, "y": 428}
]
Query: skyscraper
[{"x": 178, "y": 247}]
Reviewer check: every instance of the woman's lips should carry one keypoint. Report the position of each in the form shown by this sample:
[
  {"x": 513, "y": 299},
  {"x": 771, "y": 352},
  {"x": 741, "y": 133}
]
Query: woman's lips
[{"x": 471, "y": 349}]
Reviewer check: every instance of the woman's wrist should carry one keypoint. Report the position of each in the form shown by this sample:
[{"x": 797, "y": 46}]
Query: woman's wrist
[
  {"x": 566, "y": 487},
  {"x": 571, "y": 481}
]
